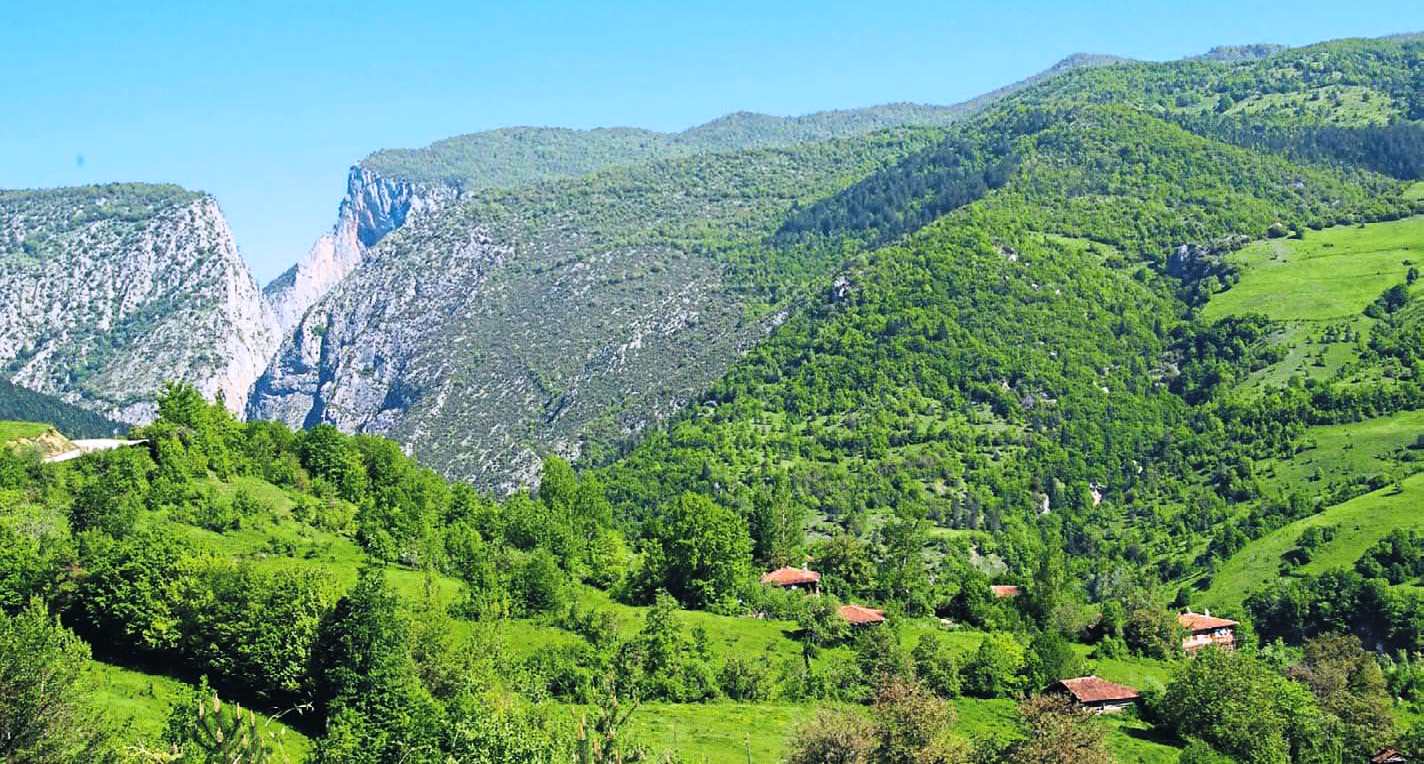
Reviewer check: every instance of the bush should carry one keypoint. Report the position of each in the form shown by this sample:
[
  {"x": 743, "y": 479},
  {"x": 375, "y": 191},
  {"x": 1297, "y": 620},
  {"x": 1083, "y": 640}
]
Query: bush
[
  {"x": 936, "y": 666},
  {"x": 539, "y": 586},
  {"x": 996, "y": 670},
  {"x": 746, "y": 680},
  {"x": 833, "y": 737}
]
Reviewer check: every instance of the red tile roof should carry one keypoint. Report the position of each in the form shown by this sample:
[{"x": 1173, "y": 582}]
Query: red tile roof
[
  {"x": 791, "y": 577},
  {"x": 1091, "y": 689},
  {"x": 858, "y": 615},
  {"x": 1003, "y": 591},
  {"x": 1202, "y": 621}
]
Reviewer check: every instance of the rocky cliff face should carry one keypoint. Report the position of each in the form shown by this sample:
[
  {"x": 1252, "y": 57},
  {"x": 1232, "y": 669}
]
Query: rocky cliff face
[
  {"x": 106, "y": 292},
  {"x": 374, "y": 206}
]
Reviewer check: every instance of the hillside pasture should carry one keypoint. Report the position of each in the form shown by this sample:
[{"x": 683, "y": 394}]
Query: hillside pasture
[
  {"x": 1328, "y": 275},
  {"x": 1358, "y": 524}
]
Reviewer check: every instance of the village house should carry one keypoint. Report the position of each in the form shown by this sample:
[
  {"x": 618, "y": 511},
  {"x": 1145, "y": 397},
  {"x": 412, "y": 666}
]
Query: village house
[
  {"x": 794, "y": 579},
  {"x": 1095, "y": 694},
  {"x": 1204, "y": 629},
  {"x": 857, "y": 615},
  {"x": 1388, "y": 756},
  {"x": 1005, "y": 591}
]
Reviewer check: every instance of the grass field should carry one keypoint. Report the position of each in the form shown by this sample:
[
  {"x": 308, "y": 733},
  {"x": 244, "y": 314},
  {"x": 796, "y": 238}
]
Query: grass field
[
  {"x": 1415, "y": 190},
  {"x": 1359, "y": 523},
  {"x": 20, "y": 430},
  {"x": 138, "y": 704},
  {"x": 1328, "y": 275},
  {"x": 1343, "y": 451}
]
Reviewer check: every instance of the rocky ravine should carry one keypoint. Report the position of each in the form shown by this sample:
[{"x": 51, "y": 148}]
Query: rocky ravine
[
  {"x": 106, "y": 292},
  {"x": 374, "y": 206}
]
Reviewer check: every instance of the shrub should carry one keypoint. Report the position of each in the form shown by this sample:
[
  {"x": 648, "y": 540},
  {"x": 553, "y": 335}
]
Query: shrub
[
  {"x": 936, "y": 666},
  {"x": 539, "y": 586}
]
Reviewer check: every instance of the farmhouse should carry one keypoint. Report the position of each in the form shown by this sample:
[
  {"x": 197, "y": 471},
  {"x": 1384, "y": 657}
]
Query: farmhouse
[
  {"x": 1388, "y": 756},
  {"x": 1096, "y": 694},
  {"x": 1005, "y": 591},
  {"x": 794, "y": 578},
  {"x": 1204, "y": 629},
  {"x": 861, "y": 616}
]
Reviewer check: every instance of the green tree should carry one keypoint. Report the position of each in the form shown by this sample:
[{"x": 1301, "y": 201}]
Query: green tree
[
  {"x": 1347, "y": 683},
  {"x": 699, "y": 552},
  {"x": 1242, "y": 708},
  {"x": 1152, "y": 632},
  {"x": 936, "y": 665},
  {"x": 45, "y": 714},
  {"x": 997, "y": 668},
  {"x": 113, "y": 490},
  {"x": 368, "y": 689}
]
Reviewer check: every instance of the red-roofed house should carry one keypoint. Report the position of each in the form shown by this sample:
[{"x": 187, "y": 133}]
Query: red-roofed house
[
  {"x": 794, "y": 578},
  {"x": 1005, "y": 591},
  {"x": 1205, "y": 629},
  {"x": 1098, "y": 695},
  {"x": 861, "y": 616}
]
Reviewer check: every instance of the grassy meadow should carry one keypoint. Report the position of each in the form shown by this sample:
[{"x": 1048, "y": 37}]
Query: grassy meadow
[
  {"x": 20, "y": 430},
  {"x": 1329, "y": 275},
  {"x": 1358, "y": 523}
]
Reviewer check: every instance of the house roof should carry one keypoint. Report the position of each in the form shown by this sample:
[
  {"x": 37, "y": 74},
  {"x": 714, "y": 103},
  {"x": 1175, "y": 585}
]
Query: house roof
[
  {"x": 791, "y": 576},
  {"x": 1202, "y": 621},
  {"x": 1387, "y": 756},
  {"x": 858, "y": 615},
  {"x": 1005, "y": 590},
  {"x": 1092, "y": 689}
]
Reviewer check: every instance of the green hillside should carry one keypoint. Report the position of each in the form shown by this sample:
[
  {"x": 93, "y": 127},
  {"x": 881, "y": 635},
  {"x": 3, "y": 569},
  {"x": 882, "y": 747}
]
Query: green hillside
[
  {"x": 1358, "y": 524},
  {"x": 12, "y": 431},
  {"x": 1329, "y": 275}
]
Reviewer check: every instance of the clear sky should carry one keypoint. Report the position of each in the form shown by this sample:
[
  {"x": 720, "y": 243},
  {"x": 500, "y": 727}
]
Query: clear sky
[{"x": 266, "y": 104}]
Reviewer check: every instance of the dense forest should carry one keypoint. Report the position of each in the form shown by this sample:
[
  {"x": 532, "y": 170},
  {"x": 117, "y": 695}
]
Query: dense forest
[{"x": 1011, "y": 416}]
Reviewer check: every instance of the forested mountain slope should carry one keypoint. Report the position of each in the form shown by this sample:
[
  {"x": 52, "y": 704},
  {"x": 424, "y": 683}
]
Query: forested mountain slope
[
  {"x": 1018, "y": 357},
  {"x": 18, "y": 403},
  {"x": 108, "y": 291}
]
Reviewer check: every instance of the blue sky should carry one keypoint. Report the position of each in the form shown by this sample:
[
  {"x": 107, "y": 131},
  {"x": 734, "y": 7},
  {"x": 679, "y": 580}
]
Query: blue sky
[{"x": 267, "y": 104}]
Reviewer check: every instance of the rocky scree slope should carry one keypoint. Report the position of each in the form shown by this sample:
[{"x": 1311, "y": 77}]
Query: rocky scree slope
[{"x": 108, "y": 291}]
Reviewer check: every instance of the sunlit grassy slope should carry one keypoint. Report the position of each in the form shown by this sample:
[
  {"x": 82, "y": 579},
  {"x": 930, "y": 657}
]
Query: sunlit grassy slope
[
  {"x": 1358, "y": 523},
  {"x": 20, "y": 430},
  {"x": 139, "y": 704},
  {"x": 1329, "y": 275}
]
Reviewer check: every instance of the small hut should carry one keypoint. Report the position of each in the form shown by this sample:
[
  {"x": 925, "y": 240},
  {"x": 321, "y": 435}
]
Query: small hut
[
  {"x": 1005, "y": 591},
  {"x": 1206, "y": 630},
  {"x": 858, "y": 615},
  {"x": 1096, "y": 694},
  {"x": 794, "y": 579}
]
